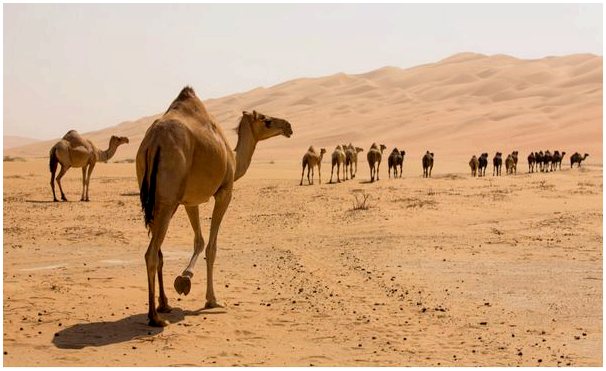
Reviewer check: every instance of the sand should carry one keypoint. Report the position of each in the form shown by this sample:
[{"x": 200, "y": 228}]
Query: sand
[{"x": 450, "y": 271}]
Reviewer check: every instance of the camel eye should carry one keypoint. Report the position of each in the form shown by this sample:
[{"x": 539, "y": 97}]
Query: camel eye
[{"x": 267, "y": 123}]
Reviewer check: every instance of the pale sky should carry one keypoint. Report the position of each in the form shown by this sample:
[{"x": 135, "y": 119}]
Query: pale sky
[{"x": 90, "y": 66}]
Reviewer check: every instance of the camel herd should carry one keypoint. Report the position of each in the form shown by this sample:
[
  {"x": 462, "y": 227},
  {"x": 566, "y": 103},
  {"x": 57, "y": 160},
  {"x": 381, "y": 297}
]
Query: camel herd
[{"x": 537, "y": 161}]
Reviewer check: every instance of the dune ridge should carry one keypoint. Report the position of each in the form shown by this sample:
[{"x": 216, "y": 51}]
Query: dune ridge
[{"x": 460, "y": 105}]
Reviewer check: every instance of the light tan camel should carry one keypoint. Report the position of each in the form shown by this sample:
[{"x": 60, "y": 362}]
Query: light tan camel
[
  {"x": 374, "y": 156},
  {"x": 184, "y": 159},
  {"x": 338, "y": 160},
  {"x": 75, "y": 151},
  {"x": 509, "y": 164},
  {"x": 474, "y": 164},
  {"x": 311, "y": 159}
]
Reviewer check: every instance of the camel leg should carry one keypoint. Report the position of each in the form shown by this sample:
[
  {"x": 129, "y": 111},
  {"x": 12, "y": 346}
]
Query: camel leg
[
  {"x": 163, "y": 306},
  {"x": 312, "y": 175},
  {"x": 83, "y": 182},
  {"x": 152, "y": 260},
  {"x": 331, "y": 172},
  {"x": 372, "y": 176},
  {"x": 377, "y": 170},
  {"x": 52, "y": 183},
  {"x": 61, "y": 174},
  {"x": 302, "y": 173},
  {"x": 90, "y": 171},
  {"x": 338, "y": 170},
  {"x": 222, "y": 199},
  {"x": 183, "y": 282}
]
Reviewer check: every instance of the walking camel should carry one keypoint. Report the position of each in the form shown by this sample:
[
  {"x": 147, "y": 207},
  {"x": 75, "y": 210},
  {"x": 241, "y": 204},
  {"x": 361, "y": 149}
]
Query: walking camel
[
  {"x": 482, "y": 164},
  {"x": 338, "y": 160},
  {"x": 514, "y": 156},
  {"x": 474, "y": 164},
  {"x": 184, "y": 159},
  {"x": 547, "y": 158},
  {"x": 556, "y": 161},
  {"x": 395, "y": 159},
  {"x": 73, "y": 150},
  {"x": 531, "y": 162},
  {"x": 311, "y": 159},
  {"x": 427, "y": 164},
  {"x": 509, "y": 165},
  {"x": 374, "y": 156},
  {"x": 497, "y": 163},
  {"x": 577, "y": 159}
]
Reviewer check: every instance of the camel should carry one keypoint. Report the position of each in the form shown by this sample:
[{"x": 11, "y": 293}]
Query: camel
[
  {"x": 482, "y": 164},
  {"x": 374, "y": 156},
  {"x": 547, "y": 158},
  {"x": 395, "y": 159},
  {"x": 427, "y": 164},
  {"x": 349, "y": 151},
  {"x": 531, "y": 162},
  {"x": 509, "y": 164},
  {"x": 497, "y": 163},
  {"x": 338, "y": 160},
  {"x": 576, "y": 158},
  {"x": 474, "y": 164},
  {"x": 311, "y": 159},
  {"x": 514, "y": 155},
  {"x": 539, "y": 161},
  {"x": 355, "y": 159},
  {"x": 557, "y": 160},
  {"x": 185, "y": 159},
  {"x": 75, "y": 151}
]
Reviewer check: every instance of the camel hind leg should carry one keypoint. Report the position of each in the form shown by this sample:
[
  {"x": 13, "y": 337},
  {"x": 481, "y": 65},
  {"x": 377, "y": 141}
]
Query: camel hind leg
[
  {"x": 302, "y": 174},
  {"x": 52, "y": 182},
  {"x": 159, "y": 227},
  {"x": 61, "y": 174}
]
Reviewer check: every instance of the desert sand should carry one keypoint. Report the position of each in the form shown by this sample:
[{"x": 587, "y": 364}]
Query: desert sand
[{"x": 451, "y": 270}]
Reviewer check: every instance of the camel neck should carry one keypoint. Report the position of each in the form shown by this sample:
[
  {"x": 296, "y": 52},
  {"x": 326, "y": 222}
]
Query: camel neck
[
  {"x": 108, "y": 153},
  {"x": 244, "y": 149}
]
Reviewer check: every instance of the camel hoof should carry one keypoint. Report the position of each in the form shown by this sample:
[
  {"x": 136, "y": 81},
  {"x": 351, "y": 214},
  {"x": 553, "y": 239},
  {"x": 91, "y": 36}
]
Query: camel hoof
[
  {"x": 158, "y": 322},
  {"x": 55, "y": 200},
  {"x": 182, "y": 285},
  {"x": 212, "y": 304},
  {"x": 63, "y": 199},
  {"x": 164, "y": 308}
]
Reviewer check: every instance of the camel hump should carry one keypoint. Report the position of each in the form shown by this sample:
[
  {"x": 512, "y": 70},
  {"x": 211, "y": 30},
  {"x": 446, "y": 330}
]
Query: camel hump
[{"x": 311, "y": 149}]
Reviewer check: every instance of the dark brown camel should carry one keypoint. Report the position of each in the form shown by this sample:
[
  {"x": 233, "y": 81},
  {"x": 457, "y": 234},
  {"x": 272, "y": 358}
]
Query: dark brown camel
[
  {"x": 497, "y": 163},
  {"x": 482, "y": 164},
  {"x": 577, "y": 159},
  {"x": 427, "y": 164}
]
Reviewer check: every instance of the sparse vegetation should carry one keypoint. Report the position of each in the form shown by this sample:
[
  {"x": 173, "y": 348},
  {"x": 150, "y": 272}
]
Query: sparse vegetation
[{"x": 361, "y": 201}]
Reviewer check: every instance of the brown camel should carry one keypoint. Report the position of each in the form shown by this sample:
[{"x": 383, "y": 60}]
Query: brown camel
[
  {"x": 427, "y": 164},
  {"x": 75, "y": 151},
  {"x": 497, "y": 163},
  {"x": 395, "y": 159},
  {"x": 509, "y": 164},
  {"x": 338, "y": 160},
  {"x": 355, "y": 159},
  {"x": 474, "y": 164},
  {"x": 483, "y": 164},
  {"x": 514, "y": 156},
  {"x": 577, "y": 159},
  {"x": 547, "y": 159},
  {"x": 556, "y": 161},
  {"x": 184, "y": 159},
  {"x": 531, "y": 162},
  {"x": 374, "y": 156},
  {"x": 311, "y": 159}
]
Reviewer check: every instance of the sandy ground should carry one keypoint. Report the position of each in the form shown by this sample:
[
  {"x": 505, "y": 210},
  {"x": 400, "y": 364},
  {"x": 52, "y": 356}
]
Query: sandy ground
[{"x": 444, "y": 271}]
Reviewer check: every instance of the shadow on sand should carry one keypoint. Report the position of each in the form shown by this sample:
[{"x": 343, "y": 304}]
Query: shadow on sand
[
  {"x": 98, "y": 334},
  {"x": 46, "y": 201}
]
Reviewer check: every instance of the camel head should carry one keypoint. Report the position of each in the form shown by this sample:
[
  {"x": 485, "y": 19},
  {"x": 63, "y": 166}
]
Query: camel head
[
  {"x": 322, "y": 151},
  {"x": 358, "y": 149},
  {"x": 117, "y": 141},
  {"x": 485, "y": 154},
  {"x": 586, "y": 155},
  {"x": 403, "y": 153},
  {"x": 383, "y": 147},
  {"x": 265, "y": 127}
]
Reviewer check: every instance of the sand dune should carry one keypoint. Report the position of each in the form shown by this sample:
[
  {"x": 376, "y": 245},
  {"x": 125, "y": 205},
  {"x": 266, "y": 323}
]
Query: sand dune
[
  {"x": 458, "y": 106},
  {"x": 12, "y": 141}
]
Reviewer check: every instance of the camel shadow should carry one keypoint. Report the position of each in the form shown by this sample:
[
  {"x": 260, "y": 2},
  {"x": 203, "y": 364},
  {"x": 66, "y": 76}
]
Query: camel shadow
[
  {"x": 97, "y": 334},
  {"x": 46, "y": 201},
  {"x": 366, "y": 182}
]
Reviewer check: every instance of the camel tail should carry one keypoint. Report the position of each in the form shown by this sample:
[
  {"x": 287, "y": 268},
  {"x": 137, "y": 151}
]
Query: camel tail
[
  {"x": 148, "y": 189},
  {"x": 53, "y": 160}
]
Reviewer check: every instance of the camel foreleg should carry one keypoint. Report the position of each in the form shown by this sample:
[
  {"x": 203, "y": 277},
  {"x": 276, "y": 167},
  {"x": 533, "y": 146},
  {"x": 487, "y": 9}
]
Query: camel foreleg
[{"x": 222, "y": 199}]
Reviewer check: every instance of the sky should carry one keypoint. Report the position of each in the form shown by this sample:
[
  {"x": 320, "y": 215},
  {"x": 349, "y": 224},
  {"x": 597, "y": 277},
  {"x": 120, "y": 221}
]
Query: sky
[{"x": 91, "y": 66}]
